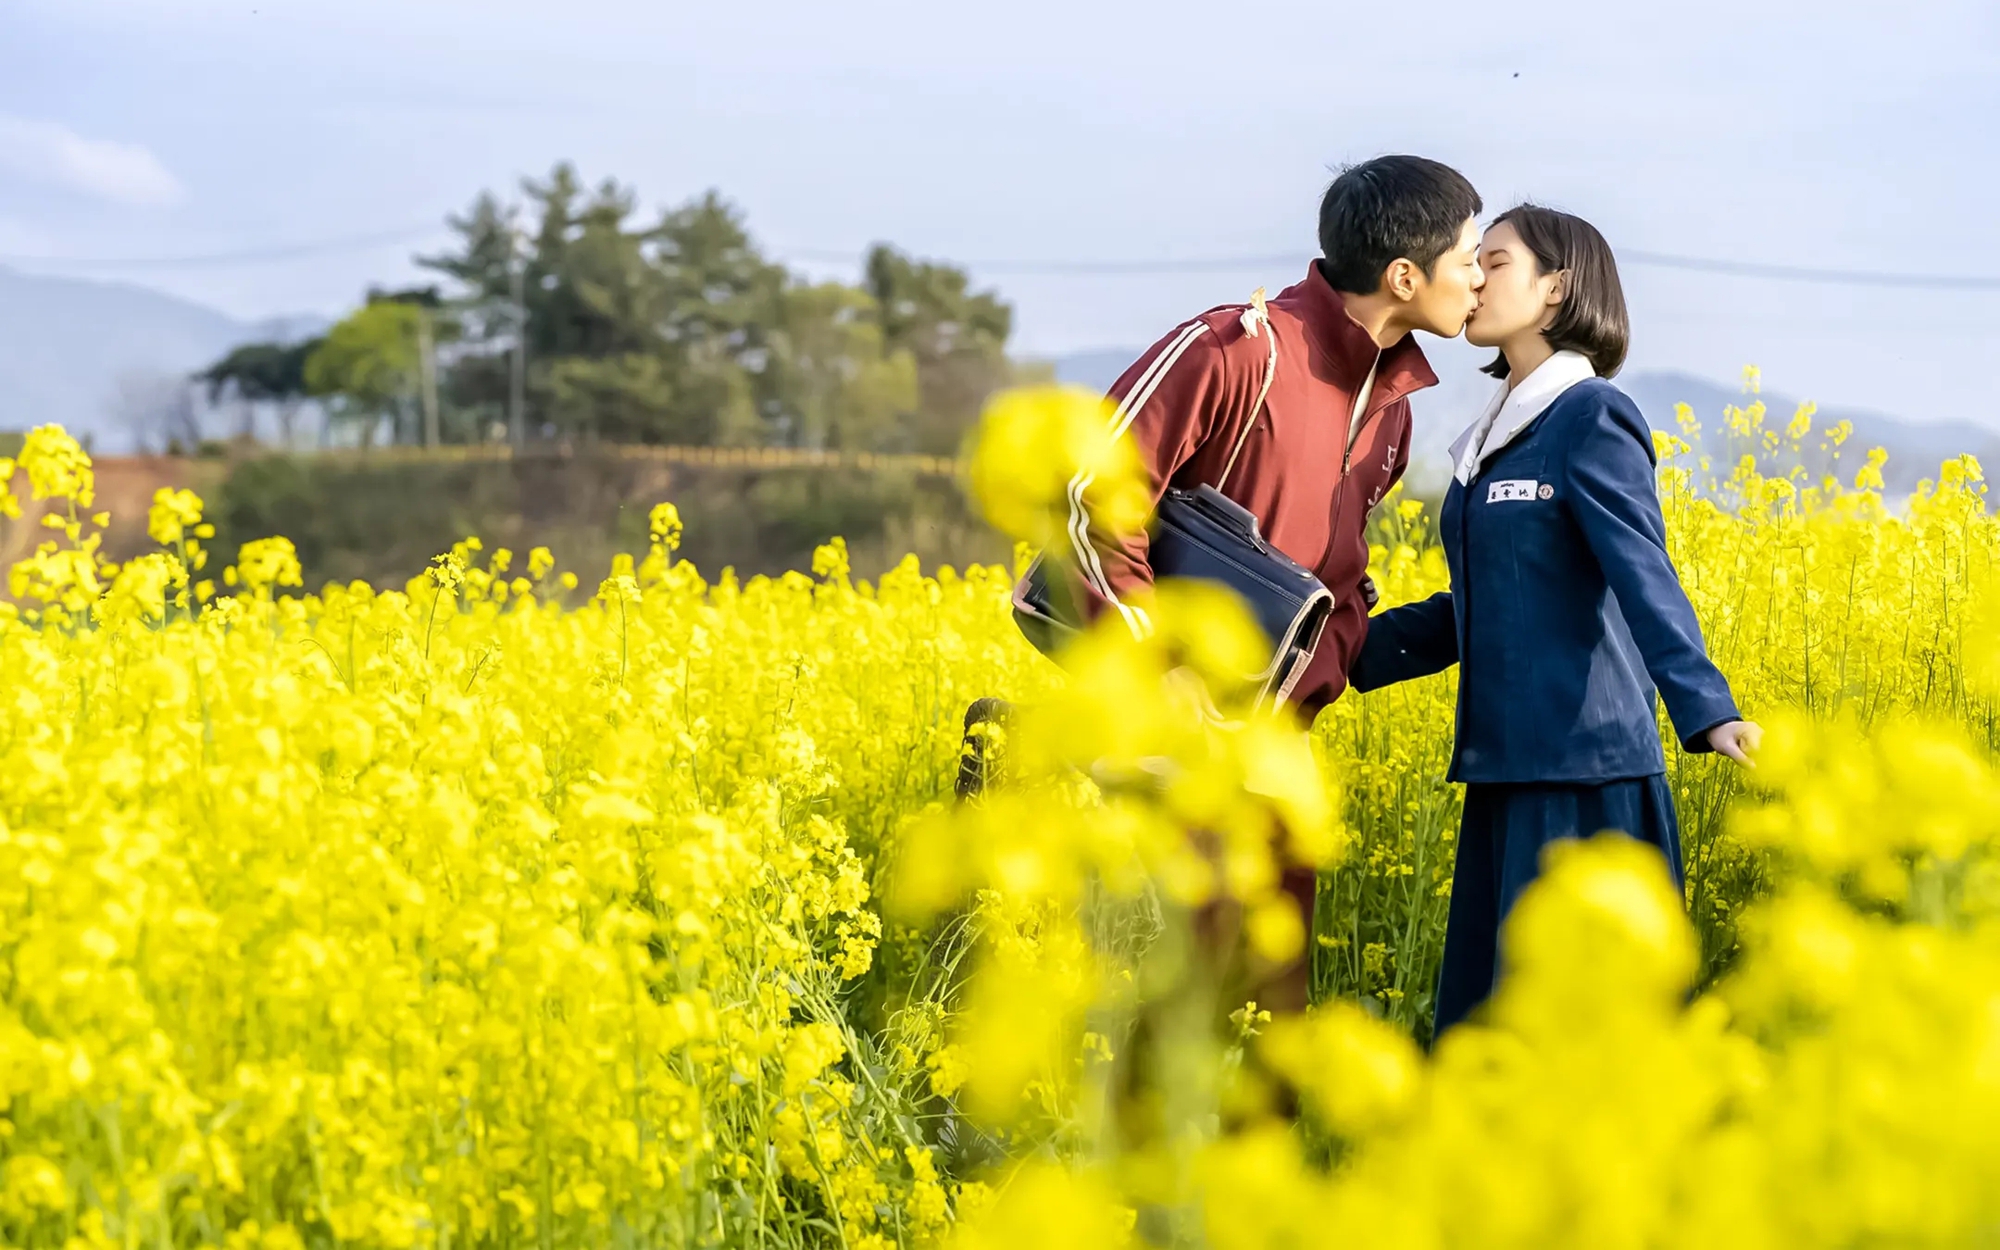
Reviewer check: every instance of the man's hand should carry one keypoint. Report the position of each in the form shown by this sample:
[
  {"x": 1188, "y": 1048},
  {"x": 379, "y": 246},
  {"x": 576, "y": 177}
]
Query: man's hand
[
  {"x": 1186, "y": 687},
  {"x": 1738, "y": 740}
]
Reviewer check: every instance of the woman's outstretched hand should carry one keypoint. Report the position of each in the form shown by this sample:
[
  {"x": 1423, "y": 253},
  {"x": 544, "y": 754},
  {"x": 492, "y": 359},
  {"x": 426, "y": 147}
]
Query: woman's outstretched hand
[{"x": 1738, "y": 740}]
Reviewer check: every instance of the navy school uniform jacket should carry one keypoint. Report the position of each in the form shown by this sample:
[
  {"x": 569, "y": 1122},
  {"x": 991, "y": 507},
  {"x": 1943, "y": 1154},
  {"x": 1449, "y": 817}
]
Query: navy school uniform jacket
[{"x": 1565, "y": 613}]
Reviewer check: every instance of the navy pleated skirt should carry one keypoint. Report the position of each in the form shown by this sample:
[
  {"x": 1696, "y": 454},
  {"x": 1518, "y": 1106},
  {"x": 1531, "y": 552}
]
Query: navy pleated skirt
[{"x": 1500, "y": 843}]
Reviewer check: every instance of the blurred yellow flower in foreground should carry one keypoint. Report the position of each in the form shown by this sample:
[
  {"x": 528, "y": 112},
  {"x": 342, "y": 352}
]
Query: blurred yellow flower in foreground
[
  {"x": 1039, "y": 446},
  {"x": 480, "y": 912}
]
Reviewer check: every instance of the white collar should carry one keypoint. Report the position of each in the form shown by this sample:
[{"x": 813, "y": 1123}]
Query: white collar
[{"x": 1510, "y": 412}]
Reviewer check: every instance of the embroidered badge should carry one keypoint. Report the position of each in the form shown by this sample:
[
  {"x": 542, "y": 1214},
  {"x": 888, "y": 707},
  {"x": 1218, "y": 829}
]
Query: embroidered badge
[
  {"x": 1547, "y": 491},
  {"x": 1513, "y": 491}
]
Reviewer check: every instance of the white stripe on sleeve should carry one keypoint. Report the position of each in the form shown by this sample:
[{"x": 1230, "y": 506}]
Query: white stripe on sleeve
[{"x": 1121, "y": 420}]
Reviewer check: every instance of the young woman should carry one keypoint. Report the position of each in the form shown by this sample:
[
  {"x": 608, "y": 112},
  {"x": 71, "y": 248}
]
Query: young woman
[{"x": 1565, "y": 614}]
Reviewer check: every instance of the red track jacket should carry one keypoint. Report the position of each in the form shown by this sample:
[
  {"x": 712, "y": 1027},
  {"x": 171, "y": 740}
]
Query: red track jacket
[{"x": 1184, "y": 404}]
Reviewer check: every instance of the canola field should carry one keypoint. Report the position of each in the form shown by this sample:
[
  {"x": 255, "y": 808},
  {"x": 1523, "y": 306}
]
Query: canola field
[{"x": 518, "y": 908}]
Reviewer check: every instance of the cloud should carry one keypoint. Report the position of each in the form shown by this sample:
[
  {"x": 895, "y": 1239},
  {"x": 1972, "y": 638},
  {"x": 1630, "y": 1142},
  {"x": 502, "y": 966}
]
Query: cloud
[{"x": 49, "y": 152}]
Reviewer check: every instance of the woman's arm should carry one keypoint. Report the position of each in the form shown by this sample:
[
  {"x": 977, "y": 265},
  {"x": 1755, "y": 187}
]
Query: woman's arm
[
  {"x": 1412, "y": 641},
  {"x": 1609, "y": 480}
]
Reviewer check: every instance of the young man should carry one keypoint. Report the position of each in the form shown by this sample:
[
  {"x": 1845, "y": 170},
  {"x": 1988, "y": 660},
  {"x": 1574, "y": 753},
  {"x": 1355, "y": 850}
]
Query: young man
[
  {"x": 1399, "y": 253},
  {"x": 1321, "y": 376}
]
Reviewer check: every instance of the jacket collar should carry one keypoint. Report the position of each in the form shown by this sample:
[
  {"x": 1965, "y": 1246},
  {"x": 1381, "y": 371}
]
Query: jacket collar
[
  {"x": 1510, "y": 412},
  {"x": 1401, "y": 369}
]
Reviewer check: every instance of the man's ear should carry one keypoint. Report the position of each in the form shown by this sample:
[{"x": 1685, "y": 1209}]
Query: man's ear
[{"x": 1400, "y": 279}]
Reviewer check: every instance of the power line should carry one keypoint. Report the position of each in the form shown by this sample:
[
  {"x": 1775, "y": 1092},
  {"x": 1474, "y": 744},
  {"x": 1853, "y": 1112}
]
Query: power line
[
  {"x": 1658, "y": 260},
  {"x": 250, "y": 256},
  {"x": 1079, "y": 268},
  {"x": 1799, "y": 273},
  {"x": 1061, "y": 268}
]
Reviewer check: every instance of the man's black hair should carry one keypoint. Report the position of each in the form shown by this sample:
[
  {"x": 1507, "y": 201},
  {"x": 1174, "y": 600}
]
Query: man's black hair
[
  {"x": 1388, "y": 209},
  {"x": 1591, "y": 319}
]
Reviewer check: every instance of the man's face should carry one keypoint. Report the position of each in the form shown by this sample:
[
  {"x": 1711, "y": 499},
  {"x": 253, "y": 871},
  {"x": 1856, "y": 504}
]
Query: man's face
[{"x": 1442, "y": 302}]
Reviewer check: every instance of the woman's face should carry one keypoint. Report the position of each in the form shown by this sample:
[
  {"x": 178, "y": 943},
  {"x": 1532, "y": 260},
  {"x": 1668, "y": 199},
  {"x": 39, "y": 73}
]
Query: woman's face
[{"x": 1517, "y": 297}]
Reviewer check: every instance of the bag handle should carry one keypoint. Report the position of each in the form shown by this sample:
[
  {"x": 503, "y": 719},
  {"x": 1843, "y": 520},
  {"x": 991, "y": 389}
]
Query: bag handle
[{"x": 1256, "y": 322}]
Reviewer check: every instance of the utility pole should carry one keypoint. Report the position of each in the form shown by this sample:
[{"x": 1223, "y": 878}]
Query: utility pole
[
  {"x": 517, "y": 376},
  {"x": 427, "y": 369}
]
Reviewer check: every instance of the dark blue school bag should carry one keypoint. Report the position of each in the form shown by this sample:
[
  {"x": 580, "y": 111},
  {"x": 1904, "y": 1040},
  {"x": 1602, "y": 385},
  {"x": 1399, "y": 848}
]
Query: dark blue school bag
[{"x": 1204, "y": 534}]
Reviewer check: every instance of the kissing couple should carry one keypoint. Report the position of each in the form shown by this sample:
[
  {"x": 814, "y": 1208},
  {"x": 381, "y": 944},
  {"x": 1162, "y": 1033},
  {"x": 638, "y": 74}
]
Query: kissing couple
[{"x": 1565, "y": 616}]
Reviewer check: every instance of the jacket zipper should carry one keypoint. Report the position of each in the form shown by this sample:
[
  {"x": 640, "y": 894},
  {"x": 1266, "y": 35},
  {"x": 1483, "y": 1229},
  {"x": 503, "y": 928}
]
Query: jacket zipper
[{"x": 1340, "y": 490}]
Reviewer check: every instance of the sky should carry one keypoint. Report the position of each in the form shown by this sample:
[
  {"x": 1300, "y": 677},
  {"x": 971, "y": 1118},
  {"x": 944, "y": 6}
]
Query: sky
[{"x": 1847, "y": 137}]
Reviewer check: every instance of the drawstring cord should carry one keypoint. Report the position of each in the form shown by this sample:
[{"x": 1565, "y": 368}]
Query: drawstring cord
[{"x": 1256, "y": 323}]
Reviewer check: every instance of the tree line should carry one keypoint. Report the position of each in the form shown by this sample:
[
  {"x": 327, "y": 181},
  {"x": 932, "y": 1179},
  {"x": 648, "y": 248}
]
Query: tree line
[{"x": 567, "y": 316}]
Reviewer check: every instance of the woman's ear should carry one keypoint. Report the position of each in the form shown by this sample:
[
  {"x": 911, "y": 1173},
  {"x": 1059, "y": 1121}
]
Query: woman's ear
[{"x": 1559, "y": 288}]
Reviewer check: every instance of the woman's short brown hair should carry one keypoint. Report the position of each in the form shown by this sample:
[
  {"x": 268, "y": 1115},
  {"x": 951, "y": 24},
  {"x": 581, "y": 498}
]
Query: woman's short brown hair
[{"x": 1591, "y": 319}]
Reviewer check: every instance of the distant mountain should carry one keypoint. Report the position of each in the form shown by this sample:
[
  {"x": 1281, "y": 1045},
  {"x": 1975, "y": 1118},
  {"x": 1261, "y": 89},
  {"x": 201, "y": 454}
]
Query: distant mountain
[
  {"x": 87, "y": 354},
  {"x": 1096, "y": 370},
  {"x": 99, "y": 357},
  {"x": 1915, "y": 447}
]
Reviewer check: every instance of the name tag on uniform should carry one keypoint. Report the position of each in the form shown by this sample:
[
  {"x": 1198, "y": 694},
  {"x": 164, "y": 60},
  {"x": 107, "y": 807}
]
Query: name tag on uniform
[{"x": 1509, "y": 492}]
